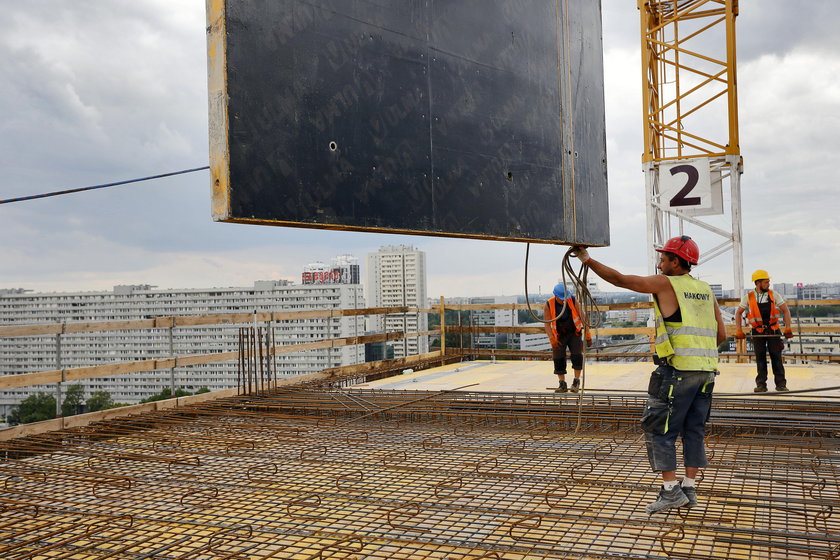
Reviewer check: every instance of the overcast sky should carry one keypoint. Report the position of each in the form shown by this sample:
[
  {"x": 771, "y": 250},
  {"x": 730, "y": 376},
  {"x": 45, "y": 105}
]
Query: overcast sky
[{"x": 93, "y": 92}]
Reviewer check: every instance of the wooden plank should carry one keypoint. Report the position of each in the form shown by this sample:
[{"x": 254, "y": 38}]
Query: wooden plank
[
  {"x": 29, "y": 379},
  {"x": 369, "y": 367},
  {"x": 647, "y": 331},
  {"x": 247, "y": 318},
  {"x": 32, "y": 429},
  {"x": 74, "y": 374},
  {"x": 30, "y": 330}
]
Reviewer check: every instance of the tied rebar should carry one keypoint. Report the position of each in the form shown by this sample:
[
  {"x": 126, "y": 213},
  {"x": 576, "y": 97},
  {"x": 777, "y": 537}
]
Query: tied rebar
[
  {"x": 362, "y": 473},
  {"x": 255, "y": 369}
]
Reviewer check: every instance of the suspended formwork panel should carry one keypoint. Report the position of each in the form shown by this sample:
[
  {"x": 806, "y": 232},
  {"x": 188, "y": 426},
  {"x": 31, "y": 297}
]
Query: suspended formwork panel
[{"x": 480, "y": 119}]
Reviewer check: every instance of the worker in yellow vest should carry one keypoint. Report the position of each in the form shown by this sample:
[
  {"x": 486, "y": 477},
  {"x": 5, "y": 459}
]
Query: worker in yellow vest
[
  {"x": 689, "y": 328},
  {"x": 564, "y": 333},
  {"x": 764, "y": 309}
]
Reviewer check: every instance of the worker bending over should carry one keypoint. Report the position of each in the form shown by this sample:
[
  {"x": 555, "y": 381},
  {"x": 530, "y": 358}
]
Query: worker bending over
[
  {"x": 565, "y": 333},
  {"x": 689, "y": 328},
  {"x": 764, "y": 309}
]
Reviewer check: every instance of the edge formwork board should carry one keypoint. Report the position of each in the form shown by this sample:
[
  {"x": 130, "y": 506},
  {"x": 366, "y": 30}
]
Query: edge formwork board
[{"x": 465, "y": 118}]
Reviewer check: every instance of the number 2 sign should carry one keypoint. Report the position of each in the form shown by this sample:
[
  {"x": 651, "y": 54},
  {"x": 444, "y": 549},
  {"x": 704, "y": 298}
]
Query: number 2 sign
[{"x": 690, "y": 186}]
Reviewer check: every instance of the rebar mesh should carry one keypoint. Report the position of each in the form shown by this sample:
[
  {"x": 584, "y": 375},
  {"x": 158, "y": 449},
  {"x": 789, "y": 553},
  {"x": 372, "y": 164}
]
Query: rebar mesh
[{"x": 400, "y": 474}]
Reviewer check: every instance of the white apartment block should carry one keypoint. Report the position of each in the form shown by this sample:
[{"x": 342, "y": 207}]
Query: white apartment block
[
  {"x": 494, "y": 317},
  {"x": 38, "y": 353},
  {"x": 535, "y": 342},
  {"x": 396, "y": 277}
]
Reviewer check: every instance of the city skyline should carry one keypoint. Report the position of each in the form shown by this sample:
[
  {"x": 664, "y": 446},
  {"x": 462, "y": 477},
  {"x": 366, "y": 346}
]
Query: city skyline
[{"x": 91, "y": 107}]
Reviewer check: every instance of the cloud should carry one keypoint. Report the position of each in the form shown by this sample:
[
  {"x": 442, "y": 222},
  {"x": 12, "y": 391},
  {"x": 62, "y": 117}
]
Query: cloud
[{"x": 95, "y": 92}]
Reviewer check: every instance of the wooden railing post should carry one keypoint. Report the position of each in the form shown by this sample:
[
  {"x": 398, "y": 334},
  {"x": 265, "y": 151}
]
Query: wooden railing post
[
  {"x": 442, "y": 328},
  {"x": 58, "y": 367},
  {"x": 172, "y": 355}
]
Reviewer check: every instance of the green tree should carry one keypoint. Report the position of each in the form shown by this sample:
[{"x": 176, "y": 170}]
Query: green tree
[
  {"x": 166, "y": 394},
  {"x": 100, "y": 400},
  {"x": 74, "y": 398},
  {"x": 33, "y": 408}
]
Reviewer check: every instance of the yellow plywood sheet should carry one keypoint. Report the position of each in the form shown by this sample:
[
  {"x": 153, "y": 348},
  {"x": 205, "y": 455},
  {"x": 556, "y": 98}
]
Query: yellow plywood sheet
[{"x": 537, "y": 376}]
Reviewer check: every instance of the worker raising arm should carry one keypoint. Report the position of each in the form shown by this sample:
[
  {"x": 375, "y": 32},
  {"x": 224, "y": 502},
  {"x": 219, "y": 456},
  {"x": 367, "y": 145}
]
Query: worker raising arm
[{"x": 689, "y": 328}]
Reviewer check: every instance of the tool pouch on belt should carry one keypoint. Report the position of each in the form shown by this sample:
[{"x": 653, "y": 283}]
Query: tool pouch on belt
[
  {"x": 659, "y": 385},
  {"x": 658, "y": 407},
  {"x": 655, "y": 418}
]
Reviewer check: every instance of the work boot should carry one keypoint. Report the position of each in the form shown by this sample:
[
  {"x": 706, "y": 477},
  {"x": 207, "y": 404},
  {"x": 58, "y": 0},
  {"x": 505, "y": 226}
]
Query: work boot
[
  {"x": 781, "y": 388},
  {"x": 667, "y": 499},
  {"x": 576, "y": 385},
  {"x": 690, "y": 493},
  {"x": 760, "y": 389},
  {"x": 562, "y": 388}
]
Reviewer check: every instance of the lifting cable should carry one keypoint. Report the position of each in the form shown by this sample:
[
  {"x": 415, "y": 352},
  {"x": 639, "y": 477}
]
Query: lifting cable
[
  {"x": 591, "y": 312},
  {"x": 79, "y": 189}
]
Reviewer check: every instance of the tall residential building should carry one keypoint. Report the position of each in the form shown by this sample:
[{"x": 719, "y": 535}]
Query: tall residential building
[
  {"x": 38, "y": 353},
  {"x": 396, "y": 277}
]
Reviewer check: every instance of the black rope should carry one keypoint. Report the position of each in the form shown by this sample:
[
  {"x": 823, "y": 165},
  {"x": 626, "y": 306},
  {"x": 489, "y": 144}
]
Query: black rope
[{"x": 69, "y": 191}]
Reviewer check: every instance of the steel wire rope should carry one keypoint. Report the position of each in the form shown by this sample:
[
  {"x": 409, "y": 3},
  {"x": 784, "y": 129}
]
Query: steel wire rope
[{"x": 92, "y": 187}]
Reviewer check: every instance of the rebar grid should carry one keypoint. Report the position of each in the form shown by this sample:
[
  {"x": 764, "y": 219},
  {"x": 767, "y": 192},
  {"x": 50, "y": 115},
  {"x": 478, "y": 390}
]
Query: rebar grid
[{"x": 312, "y": 474}]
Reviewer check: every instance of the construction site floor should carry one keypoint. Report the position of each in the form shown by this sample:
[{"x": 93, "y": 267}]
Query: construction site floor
[
  {"x": 804, "y": 381},
  {"x": 406, "y": 468}
]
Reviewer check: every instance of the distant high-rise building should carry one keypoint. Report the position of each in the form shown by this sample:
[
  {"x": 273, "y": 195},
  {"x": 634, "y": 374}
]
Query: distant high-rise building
[
  {"x": 498, "y": 317},
  {"x": 396, "y": 277},
  {"x": 344, "y": 270}
]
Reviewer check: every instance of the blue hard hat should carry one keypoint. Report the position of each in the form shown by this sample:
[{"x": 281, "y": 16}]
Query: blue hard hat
[{"x": 560, "y": 291}]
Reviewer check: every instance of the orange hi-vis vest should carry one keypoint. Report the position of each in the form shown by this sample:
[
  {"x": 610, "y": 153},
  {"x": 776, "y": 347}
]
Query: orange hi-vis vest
[
  {"x": 552, "y": 305},
  {"x": 754, "y": 313}
]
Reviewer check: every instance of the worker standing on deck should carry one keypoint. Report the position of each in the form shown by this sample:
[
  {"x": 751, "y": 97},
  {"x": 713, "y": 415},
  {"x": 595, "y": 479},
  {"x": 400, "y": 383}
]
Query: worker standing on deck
[
  {"x": 689, "y": 328},
  {"x": 764, "y": 309},
  {"x": 564, "y": 333}
]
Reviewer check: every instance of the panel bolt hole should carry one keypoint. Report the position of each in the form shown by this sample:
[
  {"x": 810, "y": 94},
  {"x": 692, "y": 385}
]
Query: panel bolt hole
[{"x": 333, "y": 146}]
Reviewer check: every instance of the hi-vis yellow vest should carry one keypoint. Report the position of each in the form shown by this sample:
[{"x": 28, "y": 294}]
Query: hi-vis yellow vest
[{"x": 692, "y": 344}]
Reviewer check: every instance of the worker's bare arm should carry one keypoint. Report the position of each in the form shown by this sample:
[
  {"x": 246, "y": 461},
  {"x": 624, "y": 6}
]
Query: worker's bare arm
[
  {"x": 738, "y": 314},
  {"x": 655, "y": 284},
  {"x": 786, "y": 313},
  {"x": 721, "y": 328}
]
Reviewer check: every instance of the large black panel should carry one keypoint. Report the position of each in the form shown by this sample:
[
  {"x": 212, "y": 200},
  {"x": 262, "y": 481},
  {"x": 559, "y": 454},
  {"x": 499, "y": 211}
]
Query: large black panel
[{"x": 469, "y": 118}]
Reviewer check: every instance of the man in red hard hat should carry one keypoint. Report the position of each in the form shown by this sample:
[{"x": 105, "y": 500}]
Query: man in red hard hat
[
  {"x": 689, "y": 328},
  {"x": 764, "y": 309}
]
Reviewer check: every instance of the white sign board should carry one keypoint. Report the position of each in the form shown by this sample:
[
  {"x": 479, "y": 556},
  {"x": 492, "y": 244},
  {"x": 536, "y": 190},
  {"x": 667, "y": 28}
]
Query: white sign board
[{"x": 691, "y": 187}]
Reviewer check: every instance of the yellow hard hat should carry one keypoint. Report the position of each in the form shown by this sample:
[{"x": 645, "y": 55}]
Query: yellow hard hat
[{"x": 760, "y": 275}]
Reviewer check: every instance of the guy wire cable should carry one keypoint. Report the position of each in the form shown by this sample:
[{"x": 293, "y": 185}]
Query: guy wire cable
[{"x": 79, "y": 189}]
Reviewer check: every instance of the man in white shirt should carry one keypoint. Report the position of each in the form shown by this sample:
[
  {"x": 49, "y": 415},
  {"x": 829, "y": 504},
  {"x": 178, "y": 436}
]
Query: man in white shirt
[{"x": 764, "y": 309}]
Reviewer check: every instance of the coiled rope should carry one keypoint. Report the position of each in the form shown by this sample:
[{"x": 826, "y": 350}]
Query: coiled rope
[{"x": 591, "y": 313}]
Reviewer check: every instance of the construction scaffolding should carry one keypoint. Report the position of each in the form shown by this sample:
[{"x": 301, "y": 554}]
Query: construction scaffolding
[{"x": 311, "y": 472}]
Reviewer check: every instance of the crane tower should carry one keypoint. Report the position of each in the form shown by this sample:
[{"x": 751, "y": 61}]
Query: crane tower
[{"x": 691, "y": 159}]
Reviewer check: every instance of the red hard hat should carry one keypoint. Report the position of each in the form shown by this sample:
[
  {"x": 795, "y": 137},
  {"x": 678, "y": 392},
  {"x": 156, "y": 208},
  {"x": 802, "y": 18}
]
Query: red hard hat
[{"x": 682, "y": 246}]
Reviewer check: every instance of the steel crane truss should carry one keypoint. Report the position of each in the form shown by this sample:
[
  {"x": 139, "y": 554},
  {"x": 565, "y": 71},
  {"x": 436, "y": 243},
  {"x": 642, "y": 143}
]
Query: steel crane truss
[{"x": 688, "y": 62}]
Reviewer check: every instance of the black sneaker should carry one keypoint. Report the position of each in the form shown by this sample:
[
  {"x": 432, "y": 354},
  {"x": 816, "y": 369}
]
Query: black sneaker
[
  {"x": 782, "y": 388},
  {"x": 760, "y": 389},
  {"x": 562, "y": 388},
  {"x": 575, "y": 385},
  {"x": 667, "y": 499},
  {"x": 691, "y": 494}
]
